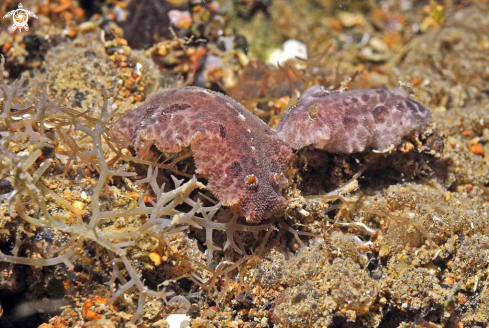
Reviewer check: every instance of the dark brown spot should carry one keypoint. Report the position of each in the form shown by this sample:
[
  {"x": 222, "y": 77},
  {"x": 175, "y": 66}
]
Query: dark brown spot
[
  {"x": 148, "y": 112},
  {"x": 222, "y": 131},
  {"x": 235, "y": 169},
  {"x": 354, "y": 100},
  {"x": 176, "y": 107},
  {"x": 380, "y": 114},
  {"x": 350, "y": 122},
  {"x": 365, "y": 97}
]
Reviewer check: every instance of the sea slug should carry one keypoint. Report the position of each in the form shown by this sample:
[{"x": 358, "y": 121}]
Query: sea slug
[
  {"x": 242, "y": 158},
  {"x": 351, "y": 121}
]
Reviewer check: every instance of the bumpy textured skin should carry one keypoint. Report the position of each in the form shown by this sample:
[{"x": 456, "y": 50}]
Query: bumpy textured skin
[
  {"x": 242, "y": 158},
  {"x": 351, "y": 121}
]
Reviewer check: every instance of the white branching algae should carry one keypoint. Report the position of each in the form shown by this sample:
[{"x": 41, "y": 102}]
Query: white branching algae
[{"x": 41, "y": 140}]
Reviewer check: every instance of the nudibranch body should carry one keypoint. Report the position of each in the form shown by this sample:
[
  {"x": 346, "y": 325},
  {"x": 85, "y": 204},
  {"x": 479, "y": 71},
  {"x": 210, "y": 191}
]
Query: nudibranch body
[
  {"x": 242, "y": 158},
  {"x": 351, "y": 121}
]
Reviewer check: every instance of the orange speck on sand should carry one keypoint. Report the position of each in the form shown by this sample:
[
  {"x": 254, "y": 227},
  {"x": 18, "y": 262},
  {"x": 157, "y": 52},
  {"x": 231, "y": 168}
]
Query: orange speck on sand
[
  {"x": 155, "y": 258},
  {"x": 416, "y": 81},
  {"x": 79, "y": 13},
  {"x": 122, "y": 41},
  {"x": 133, "y": 195},
  {"x": 92, "y": 303},
  {"x": 6, "y": 47},
  {"x": 477, "y": 149},
  {"x": 196, "y": 58}
]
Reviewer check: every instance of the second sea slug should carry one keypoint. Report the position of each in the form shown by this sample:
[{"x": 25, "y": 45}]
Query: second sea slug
[
  {"x": 351, "y": 121},
  {"x": 241, "y": 156}
]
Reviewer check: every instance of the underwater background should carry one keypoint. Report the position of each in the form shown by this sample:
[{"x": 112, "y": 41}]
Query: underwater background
[{"x": 267, "y": 191}]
